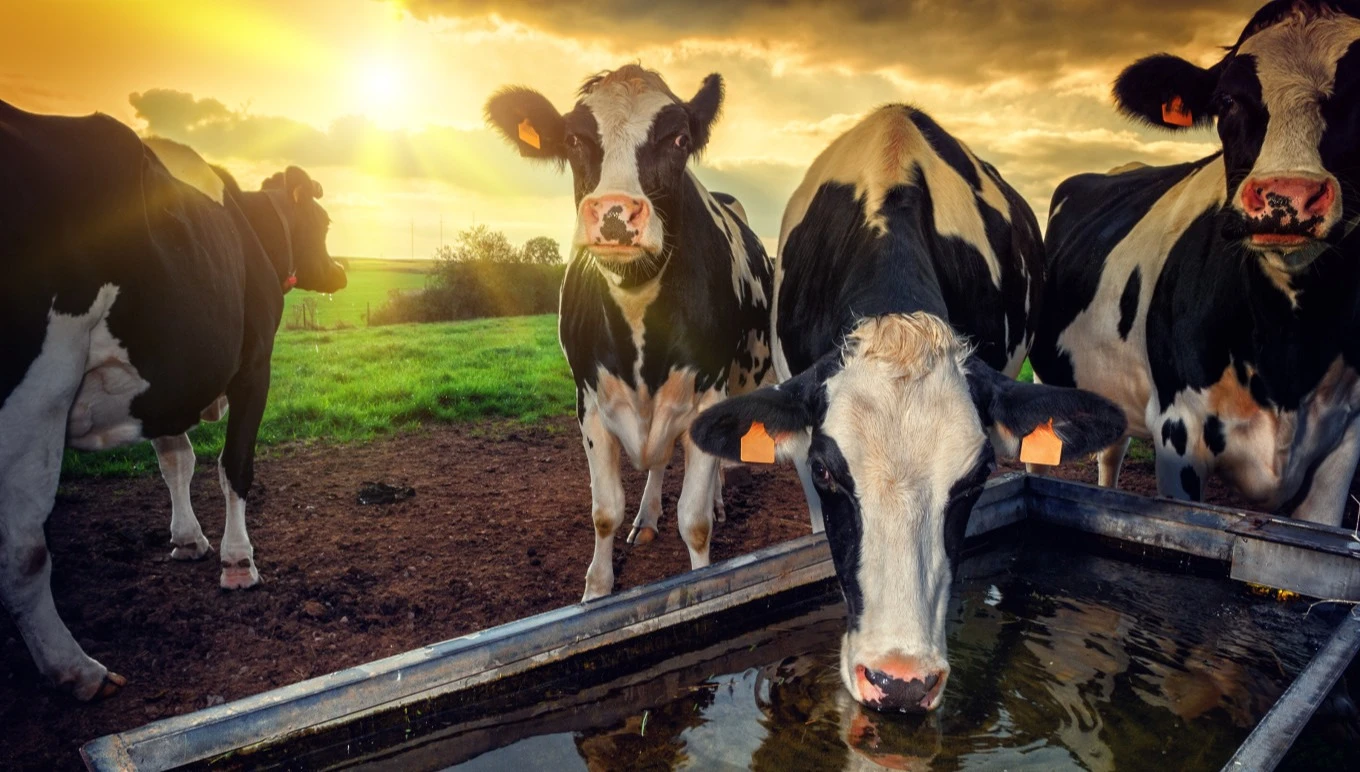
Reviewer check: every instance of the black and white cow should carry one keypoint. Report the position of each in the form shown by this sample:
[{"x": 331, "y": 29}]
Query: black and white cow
[
  {"x": 1218, "y": 302},
  {"x": 907, "y": 279},
  {"x": 665, "y": 304},
  {"x": 132, "y": 302}
]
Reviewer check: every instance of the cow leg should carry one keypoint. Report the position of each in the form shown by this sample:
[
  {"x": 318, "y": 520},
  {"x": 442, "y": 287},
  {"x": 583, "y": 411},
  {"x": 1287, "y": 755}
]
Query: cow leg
[
  {"x": 695, "y": 510},
  {"x": 1331, "y": 484},
  {"x": 1111, "y": 462},
  {"x": 33, "y": 428},
  {"x": 814, "y": 501},
  {"x": 176, "y": 458},
  {"x": 236, "y": 471},
  {"x": 649, "y": 511},
  {"x": 719, "y": 511},
  {"x": 606, "y": 502}
]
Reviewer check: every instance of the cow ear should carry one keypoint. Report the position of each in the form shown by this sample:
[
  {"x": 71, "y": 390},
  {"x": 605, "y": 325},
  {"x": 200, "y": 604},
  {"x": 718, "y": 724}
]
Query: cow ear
[
  {"x": 529, "y": 122},
  {"x": 784, "y": 411},
  {"x": 1167, "y": 91},
  {"x": 704, "y": 109},
  {"x": 1083, "y": 421},
  {"x": 300, "y": 186}
]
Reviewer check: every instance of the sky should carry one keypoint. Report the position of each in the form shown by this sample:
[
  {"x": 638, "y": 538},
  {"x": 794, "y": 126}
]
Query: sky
[{"x": 381, "y": 100}]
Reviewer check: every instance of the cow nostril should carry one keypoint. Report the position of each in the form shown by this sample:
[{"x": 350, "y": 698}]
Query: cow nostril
[
  {"x": 931, "y": 680},
  {"x": 1322, "y": 196}
]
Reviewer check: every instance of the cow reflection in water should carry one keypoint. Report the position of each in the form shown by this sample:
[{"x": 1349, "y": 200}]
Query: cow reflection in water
[{"x": 1047, "y": 679}]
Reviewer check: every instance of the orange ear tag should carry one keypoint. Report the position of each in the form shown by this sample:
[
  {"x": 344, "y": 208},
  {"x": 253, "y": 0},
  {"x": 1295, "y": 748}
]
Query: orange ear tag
[
  {"x": 1176, "y": 113},
  {"x": 757, "y": 446},
  {"x": 1041, "y": 446},
  {"x": 527, "y": 135}
]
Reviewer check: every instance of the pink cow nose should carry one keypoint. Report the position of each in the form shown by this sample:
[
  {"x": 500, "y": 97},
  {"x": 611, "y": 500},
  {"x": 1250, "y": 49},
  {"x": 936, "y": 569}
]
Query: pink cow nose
[
  {"x": 899, "y": 684},
  {"x": 615, "y": 220},
  {"x": 1292, "y": 199}
]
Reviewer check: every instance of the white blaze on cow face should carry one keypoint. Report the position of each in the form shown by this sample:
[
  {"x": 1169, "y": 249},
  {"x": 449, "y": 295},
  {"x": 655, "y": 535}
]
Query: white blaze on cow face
[
  {"x": 902, "y": 418},
  {"x": 1289, "y": 195},
  {"x": 616, "y": 219}
]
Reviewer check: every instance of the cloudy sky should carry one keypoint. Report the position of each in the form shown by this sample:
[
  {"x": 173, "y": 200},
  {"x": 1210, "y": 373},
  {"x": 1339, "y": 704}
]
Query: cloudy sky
[{"x": 382, "y": 101}]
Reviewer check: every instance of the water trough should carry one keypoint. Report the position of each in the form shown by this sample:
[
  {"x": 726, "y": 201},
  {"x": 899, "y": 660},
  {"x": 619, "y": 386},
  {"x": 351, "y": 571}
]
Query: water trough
[{"x": 349, "y": 717}]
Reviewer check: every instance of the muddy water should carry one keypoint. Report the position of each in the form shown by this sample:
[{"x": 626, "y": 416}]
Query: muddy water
[{"x": 1061, "y": 660}]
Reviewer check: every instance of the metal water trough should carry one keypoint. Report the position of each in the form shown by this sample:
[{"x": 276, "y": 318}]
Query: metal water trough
[{"x": 1311, "y": 560}]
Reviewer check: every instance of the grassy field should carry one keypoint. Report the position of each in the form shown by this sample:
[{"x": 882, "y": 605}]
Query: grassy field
[
  {"x": 352, "y": 385},
  {"x": 355, "y": 383},
  {"x": 370, "y": 280}
]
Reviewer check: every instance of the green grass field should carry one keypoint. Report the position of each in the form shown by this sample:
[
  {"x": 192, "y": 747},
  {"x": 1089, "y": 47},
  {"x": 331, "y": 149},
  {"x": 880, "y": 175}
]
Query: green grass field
[
  {"x": 370, "y": 280},
  {"x": 356, "y": 383}
]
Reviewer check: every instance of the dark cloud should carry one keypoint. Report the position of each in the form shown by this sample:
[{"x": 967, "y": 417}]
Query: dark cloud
[
  {"x": 966, "y": 41},
  {"x": 474, "y": 160}
]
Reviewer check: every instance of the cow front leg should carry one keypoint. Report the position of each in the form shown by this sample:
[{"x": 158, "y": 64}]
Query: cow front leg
[
  {"x": 1111, "y": 461},
  {"x": 176, "y": 458},
  {"x": 236, "y": 472},
  {"x": 1325, "y": 500},
  {"x": 719, "y": 477},
  {"x": 649, "y": 511},
  {"x": 695, "y": 509},
  {"x": 814, "y": 501},
  {"x": 606, "y": 502}
]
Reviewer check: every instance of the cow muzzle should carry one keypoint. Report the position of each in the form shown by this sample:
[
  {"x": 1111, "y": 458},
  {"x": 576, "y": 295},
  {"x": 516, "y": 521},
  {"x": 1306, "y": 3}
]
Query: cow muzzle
[
  {"x": 615, "y": 227},
  {"x": 899, "y": 683},
  {"x": 1283, "y": 213}
]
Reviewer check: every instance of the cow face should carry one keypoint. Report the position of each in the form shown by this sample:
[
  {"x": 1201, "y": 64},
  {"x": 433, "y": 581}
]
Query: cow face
[
  {"x": 895, "y": 431},
  {"x": 307, "y": 225},
  {"x": 627, "y": 141},
  {"x": 1289, "y": 120}
]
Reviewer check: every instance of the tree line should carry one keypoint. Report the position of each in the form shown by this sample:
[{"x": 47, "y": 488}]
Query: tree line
[{"x": 481, "y": 274}]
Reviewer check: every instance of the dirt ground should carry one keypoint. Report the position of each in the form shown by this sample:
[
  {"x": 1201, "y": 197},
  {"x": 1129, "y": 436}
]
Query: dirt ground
[{"x": 499, "y": 529}]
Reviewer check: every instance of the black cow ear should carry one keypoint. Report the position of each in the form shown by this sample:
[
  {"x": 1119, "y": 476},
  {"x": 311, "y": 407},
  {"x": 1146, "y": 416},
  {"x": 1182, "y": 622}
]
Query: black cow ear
[
  {"x": 1083, "y": 421},
  {"x": 299, "y": 185},
  {"x": 529, "y": 122},
  {"x": 1167, "y": 91},
  {"x": 785, "y": 411},
  {"x": 704, "y": 109}
]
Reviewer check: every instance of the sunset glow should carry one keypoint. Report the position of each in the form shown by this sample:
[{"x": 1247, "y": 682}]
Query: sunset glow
[{"x": 382, "y": 101}]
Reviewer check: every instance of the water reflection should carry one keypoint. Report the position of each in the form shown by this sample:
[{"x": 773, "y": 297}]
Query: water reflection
[{"x": 1060, "y": 661}]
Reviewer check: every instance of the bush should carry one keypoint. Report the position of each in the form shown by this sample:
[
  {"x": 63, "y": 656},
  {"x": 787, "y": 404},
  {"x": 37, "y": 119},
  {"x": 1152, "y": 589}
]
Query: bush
[
  {"x": 482, "y": 274},
  {"x": 470, "y": 290}
]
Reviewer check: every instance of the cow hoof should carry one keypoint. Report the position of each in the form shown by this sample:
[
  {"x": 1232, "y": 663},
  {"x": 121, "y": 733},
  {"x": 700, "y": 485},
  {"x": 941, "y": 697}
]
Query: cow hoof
[
  {"x": 112, "y": 683},
  {"x": 641, "y": 535},
  {"x": 198, "y": 550},
  {"x": 240, "y": 576}
]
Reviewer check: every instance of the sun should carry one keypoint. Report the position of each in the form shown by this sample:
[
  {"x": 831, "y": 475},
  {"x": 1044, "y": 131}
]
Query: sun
[{"x": 383, "y": 89}]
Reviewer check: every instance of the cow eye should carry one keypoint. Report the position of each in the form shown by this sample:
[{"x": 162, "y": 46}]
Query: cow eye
[
  {"x": 1225, "y": 103},
  {"x": 681, "y": 142},
  {"x": 573, "y": 142},
  {"x": 821, "y": 477}
]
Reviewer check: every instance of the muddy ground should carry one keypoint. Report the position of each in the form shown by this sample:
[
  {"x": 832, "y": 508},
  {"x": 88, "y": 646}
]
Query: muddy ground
[{"x": 499, "y": 529}]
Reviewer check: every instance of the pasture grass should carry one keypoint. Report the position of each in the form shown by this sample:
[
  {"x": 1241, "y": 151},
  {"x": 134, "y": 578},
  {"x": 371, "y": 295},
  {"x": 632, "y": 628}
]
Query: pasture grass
[
  {"x": 369, "y": 282},
  {"x": 353, "y": 385}
]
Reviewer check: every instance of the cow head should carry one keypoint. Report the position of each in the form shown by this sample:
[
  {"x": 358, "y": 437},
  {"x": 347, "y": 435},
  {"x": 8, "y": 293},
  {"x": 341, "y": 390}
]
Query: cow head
[
  {"x": 895, "y": 430},
  {"x": 1284, "y": 97},
  {"x": 627, "y": 140},
  {"x": 305, "y": 225}
]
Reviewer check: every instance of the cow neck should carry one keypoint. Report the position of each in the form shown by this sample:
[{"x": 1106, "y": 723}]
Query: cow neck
[
  {"x": 1294, "y": 346},
  {"x": 287, "y": 277}
]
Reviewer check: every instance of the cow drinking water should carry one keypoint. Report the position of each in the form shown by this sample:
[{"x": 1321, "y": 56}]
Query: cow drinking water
[
  {"x": 133, "y": 301},
  {"x": 907, "y": 277},
  {"x": 665, "y": 303}
]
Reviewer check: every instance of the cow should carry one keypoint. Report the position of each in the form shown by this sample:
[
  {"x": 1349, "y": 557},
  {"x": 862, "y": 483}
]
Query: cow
[
  {"x": 1218, "y": 301},
  {"x": 133, "y": 302},
  {"x": 665, "y": 303},
  {"x": 907, "y": 279}
]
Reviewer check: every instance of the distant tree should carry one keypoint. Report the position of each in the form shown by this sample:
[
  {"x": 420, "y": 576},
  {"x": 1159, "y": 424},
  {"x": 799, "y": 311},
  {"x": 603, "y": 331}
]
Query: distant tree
[
  {"x": 541, "y": 251},
  {"x": 480, "y": 244}
]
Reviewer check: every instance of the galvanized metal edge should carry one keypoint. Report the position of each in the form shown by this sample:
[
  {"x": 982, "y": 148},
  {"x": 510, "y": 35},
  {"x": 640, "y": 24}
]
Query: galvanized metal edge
[
  {"x": 1272, "y": 738},
  {"x": 497, "y": 652}
]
